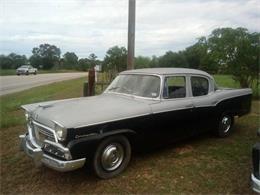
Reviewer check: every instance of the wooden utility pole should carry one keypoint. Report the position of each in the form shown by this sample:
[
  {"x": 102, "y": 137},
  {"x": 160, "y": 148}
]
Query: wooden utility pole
[{"x": 131, "y": 35}]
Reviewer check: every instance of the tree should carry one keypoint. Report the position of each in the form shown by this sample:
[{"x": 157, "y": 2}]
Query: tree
[
  {"x": 46, "y": 55},
  {"x": 70, "y": 59},
  {"x": 84, "y": 64},
  {"x": 197, "y": 56},
  {"x": 237, "y": 50},
  {"x": 13, "y": 60},
  {"x": 142, "y": 62},
  {"x": 154, "y": 62},
  {"x": 173, "y": 59},
  {"x": 92, "y": 60},
  {"x": 116, "y": 59}
]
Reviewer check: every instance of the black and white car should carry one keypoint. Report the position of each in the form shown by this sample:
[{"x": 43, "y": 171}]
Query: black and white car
[
  {"x": 143, "y": 107},
  {"x": 26, "y": 69}
]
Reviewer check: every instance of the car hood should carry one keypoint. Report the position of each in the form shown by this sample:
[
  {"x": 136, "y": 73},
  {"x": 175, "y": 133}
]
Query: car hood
[{"x": 85, "y": 111}]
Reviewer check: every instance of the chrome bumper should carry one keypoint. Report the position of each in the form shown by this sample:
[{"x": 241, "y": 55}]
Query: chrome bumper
[
  {"x": 39, "y": 157},
  {"x": 255, "y": 183}
]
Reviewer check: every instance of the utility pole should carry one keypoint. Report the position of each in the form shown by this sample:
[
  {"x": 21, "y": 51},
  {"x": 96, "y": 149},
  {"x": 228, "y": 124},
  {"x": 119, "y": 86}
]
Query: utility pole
[{"x": 131, "y": 35}]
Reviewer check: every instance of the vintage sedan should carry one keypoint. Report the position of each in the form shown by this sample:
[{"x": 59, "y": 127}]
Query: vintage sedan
[{"x": 143, "y": 107}]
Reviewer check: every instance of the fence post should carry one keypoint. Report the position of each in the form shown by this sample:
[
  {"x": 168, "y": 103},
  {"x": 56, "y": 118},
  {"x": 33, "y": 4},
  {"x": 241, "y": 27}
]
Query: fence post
[{"x": 91, "y": 82}]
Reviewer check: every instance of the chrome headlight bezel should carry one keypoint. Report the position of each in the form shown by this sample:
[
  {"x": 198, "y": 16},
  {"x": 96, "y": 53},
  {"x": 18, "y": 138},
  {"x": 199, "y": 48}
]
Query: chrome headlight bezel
[{"x": 60, "y": 131}]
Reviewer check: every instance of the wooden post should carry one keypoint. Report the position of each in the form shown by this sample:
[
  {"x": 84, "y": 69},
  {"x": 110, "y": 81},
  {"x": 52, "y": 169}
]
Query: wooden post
[{"x": 91, "y": 82}]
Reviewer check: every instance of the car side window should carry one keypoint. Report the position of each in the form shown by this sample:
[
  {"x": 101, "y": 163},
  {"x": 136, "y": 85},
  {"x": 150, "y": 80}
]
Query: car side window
[
  {"x": 200, "y": 86},
  {"x": 174, "y": 87}
]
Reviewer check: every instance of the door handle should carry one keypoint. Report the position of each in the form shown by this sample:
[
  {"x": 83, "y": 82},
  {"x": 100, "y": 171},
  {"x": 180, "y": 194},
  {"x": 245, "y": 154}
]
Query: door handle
[{"x": 189, "y": 106}]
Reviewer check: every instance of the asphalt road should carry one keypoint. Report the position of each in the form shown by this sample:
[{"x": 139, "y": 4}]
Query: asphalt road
[{"x": 11, "y": 84}]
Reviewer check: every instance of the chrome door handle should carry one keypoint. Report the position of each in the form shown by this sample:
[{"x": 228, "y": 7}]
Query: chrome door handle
[{"x": 189, "y": 106}]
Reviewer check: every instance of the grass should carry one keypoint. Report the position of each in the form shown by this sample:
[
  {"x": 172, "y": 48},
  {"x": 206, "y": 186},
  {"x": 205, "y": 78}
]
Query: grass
[
  {"x": 227, "y": 81},
  {"x": 204, "y": 164},
  {"x": 6, "y": 72}
]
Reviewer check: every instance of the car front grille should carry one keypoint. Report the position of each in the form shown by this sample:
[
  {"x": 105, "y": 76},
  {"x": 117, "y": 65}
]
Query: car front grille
[
  {"x": 41, "y": 133},
  {"x": 256, "y": 160}
]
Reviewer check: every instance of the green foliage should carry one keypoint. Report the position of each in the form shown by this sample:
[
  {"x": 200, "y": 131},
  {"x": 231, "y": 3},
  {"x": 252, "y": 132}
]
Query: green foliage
[
  {"x": 237, "y": 51},
  {"x": 84, "y": 64},
  {"x": 45, "y": 55},
  {"x": 142, "y": 62},
  {"x": 173, "y": 59},
  {"x": 12, "y": 61},
  {"x": 92, "y": 60},
  {"x": 115, "y": 59},
  {"x": 70, "y": 60}
]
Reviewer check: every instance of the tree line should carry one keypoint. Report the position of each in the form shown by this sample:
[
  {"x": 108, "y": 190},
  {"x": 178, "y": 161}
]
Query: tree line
[{"x": 225, "y": 51}]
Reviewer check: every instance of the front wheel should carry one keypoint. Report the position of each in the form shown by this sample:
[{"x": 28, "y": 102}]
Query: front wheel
[
  {"x": 225, "y": 125},
  {"x": 112, "y": 157}
]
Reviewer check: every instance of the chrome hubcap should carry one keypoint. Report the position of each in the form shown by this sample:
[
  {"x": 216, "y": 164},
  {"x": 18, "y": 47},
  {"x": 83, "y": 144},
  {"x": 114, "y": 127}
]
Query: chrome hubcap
[
  {"x": 226, "y": 123},
  {"x": 112, "y": 157}
]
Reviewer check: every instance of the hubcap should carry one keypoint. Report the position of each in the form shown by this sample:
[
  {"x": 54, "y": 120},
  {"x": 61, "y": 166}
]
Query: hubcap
[
  {"x": 112, "y": 157},
  {"x": 226, "y": 123}
]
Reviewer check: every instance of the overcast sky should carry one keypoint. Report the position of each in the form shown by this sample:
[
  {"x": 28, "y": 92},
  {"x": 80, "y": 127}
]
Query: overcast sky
[{"x": 93, "y": 26}]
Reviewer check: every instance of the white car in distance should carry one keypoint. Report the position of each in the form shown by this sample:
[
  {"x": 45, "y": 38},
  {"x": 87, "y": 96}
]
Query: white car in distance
[{"x": 26, "y": 69}]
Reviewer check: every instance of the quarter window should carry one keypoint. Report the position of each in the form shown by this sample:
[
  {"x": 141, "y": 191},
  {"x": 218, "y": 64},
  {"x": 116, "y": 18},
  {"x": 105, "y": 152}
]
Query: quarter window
[
  {"x": 200, "y": 86},
  {"x": 174, "y": 87}
]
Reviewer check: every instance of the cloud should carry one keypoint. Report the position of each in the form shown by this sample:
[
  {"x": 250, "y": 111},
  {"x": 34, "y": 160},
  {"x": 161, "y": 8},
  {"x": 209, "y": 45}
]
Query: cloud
[{"x": 93, "y": 26}]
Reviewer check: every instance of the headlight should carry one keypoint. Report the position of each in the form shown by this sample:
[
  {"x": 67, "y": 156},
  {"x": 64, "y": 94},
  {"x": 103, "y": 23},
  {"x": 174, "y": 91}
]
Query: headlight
[
  {"x": 27, "y": 116},
  {"x": 61, "y": 131}
]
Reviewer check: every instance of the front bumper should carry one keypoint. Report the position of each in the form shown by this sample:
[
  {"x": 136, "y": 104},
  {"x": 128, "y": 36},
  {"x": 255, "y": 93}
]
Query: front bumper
[
  {"x": 255, "y": 183},
  {"x": 39, "y": 157}
]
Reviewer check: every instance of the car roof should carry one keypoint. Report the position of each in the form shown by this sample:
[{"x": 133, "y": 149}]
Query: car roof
[{"x": 167, "y": 71}]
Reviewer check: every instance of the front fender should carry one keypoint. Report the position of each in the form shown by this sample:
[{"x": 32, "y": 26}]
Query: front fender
[{"x": 86, "y": 146}]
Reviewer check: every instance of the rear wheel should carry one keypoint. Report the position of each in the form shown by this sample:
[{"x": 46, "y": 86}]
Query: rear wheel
[
  {"x": 225, "y": 125},
  {"x": 112, "y": 157}
]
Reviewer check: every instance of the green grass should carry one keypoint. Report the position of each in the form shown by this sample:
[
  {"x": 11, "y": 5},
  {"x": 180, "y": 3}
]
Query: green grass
[
  {"x": 10, "y": 104},
  {"x": 228, "y": 81},
  {"x": 204, "y": 164},
  {"x": 6, "y": 72}
]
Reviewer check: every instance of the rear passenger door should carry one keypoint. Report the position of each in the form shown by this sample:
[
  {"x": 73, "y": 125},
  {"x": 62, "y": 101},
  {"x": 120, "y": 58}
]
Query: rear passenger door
[{"x": 204, "y": 101}]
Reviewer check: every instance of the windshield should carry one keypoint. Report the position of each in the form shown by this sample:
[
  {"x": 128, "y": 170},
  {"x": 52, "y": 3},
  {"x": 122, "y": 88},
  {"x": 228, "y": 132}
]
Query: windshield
[
  {"x": 24, "y": 66},
  {"x": 138, "y": 85}
]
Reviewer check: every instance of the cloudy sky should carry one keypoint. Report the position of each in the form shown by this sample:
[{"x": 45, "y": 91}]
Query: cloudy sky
[{"x": 93, "y": 26}]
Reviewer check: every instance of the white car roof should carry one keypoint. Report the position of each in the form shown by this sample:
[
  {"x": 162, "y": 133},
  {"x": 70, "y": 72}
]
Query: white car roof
[{"x": 167, "y": 71}]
